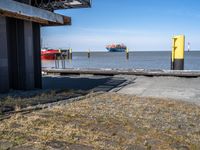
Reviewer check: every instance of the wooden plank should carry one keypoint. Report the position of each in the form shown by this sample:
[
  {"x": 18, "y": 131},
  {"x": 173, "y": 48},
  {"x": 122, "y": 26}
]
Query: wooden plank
[{"x": 13, "y": 9}]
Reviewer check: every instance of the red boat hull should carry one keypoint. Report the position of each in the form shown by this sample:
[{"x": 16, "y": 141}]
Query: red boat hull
[
  {"x": 49, "y": 54},
  {"x": 48, "y": 57}
]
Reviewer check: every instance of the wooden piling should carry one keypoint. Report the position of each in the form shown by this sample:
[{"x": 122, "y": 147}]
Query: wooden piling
[
  {"x": 56, "y": 61},
  {"x": 63, "y": 60},
  {"x": 89, "y": 53}
]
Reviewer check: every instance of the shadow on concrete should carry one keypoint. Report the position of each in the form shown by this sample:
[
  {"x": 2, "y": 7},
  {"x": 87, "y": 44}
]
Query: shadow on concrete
[
  {"x": 83, "y": 83},
  {"x": 80, "y": 85}
]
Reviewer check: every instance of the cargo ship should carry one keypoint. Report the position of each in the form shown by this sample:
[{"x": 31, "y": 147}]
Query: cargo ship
[{"x": 116, "y": 48}]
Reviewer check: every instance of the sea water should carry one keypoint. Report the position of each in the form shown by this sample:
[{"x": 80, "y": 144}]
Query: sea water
[{"x": 137, "y": 60}]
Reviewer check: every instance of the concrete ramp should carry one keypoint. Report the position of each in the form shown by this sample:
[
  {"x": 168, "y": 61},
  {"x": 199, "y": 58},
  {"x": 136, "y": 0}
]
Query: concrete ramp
[{"x": 185, "y": 89}]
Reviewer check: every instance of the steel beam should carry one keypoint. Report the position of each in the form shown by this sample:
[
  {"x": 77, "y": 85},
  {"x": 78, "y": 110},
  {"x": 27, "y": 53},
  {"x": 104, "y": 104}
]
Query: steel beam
[{"x": 13, "y": 9}]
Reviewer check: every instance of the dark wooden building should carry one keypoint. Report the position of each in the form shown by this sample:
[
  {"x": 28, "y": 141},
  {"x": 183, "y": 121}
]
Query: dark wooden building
[{"x": 20, "y": 22}]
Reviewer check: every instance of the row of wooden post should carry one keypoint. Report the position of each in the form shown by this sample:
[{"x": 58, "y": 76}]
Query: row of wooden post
[
  {"x": 177, "y": 57},
  {"x": 62, "y": 57}
]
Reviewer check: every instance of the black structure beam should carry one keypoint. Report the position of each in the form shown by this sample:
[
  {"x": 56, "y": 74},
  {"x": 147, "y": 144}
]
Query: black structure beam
[
  {"x": 15, "y": 38},
  {"x": 37, "y": 55},
  {"x": 4, "y": 70},
  {"x": 23, "y": 38}
]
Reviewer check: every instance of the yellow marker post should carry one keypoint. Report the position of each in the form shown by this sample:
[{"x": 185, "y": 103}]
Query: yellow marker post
[
  {"x": 178, "y": 48},
  {"x": 127, "y": 53},
  {"x": 70, "y": 53}
]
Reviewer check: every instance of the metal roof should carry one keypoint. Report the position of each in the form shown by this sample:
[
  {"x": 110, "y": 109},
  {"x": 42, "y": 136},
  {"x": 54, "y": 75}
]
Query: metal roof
[
  {"x": 61, "y": 4},
  {"x": 14, "y": 9}
]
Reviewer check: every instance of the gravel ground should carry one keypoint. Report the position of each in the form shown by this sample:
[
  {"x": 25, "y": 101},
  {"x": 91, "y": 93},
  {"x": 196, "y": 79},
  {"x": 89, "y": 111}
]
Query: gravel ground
[{"x": 109, "y": 121}]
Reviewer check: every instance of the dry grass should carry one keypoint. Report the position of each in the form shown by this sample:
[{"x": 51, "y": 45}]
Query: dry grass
[
  {"x": 13, "y": 103},
  {"x": 109, "y": 121}
]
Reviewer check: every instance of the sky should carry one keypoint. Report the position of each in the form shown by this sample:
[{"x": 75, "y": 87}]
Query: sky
[{"x": 142, "y": 25}]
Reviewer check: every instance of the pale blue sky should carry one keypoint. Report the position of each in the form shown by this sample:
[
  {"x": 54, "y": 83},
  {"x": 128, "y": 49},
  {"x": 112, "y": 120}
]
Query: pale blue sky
[{"x": 142, "y": 25}]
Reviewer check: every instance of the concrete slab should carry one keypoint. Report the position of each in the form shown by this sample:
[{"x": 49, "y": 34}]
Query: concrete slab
[{"x": 186, "y": 89}]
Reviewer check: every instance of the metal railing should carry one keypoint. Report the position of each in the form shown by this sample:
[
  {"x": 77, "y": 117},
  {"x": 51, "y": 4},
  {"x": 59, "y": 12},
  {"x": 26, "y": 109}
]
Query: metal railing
[{"x": 61, "y": 4}]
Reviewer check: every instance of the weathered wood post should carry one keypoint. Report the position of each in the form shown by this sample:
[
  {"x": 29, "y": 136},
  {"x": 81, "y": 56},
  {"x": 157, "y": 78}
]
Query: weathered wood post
[
  {"x": 62, "y": 53},
  {"x": 57, "y": 60},
  {"x": 89, "y": 53}
]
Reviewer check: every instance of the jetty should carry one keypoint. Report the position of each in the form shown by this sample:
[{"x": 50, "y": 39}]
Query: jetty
[{"x": 112, "y": 72}]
